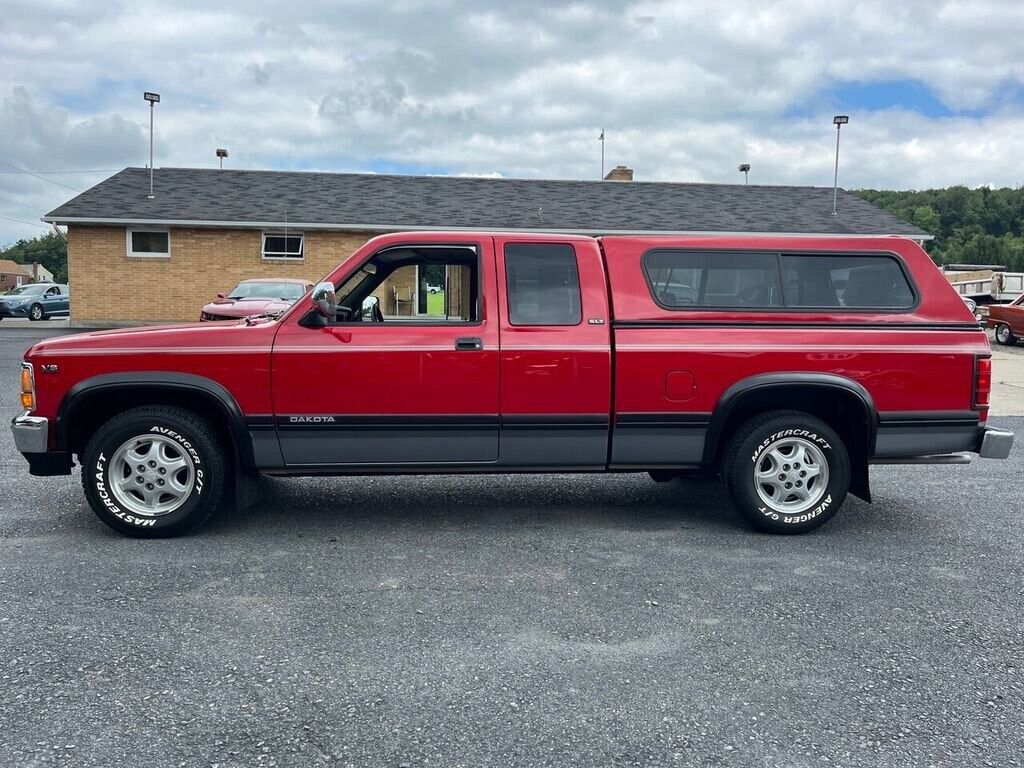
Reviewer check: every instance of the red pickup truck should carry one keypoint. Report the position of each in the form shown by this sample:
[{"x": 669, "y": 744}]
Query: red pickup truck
[{"x": 785, "y": 365}]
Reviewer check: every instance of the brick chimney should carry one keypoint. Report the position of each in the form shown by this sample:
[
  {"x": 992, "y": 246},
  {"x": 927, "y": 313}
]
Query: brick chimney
[
  {"x": 35, "y": 271},
  {"x": 620, "y": 173}
]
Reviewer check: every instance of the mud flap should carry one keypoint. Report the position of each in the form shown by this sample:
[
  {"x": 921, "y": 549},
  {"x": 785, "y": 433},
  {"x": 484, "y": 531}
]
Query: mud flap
[{"x": 860, "y": 482}]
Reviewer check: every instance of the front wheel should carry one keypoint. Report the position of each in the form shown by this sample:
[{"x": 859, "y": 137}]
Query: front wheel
[
  {"x": 154, "y": 471},
  {"x": 1004, "y": 335},
  {"x": 35, "y": 312},
  {"x": 787, "y": 472}
]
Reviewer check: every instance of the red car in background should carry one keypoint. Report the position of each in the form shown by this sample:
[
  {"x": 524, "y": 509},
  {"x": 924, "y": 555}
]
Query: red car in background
[
  {"x": 259, "y": 296},
  {"x": 1008, "y": 321}
]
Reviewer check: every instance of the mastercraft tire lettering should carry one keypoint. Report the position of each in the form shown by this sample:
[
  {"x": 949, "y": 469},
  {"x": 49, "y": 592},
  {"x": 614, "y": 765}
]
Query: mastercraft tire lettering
[
  {"x": 787, "y": 472},
  {"x": 154, "y": 471}
]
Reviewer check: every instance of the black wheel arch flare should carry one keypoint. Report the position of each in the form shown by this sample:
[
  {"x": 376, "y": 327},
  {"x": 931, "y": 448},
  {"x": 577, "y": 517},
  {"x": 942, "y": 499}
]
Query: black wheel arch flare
[
  {"x": 783, "y": 390},
  {"x": 156, "y": 382}
]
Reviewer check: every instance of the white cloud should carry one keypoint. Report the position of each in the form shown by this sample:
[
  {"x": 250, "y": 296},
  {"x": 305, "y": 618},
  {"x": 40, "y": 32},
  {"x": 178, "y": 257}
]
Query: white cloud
[{"x": 685, "y": 91}]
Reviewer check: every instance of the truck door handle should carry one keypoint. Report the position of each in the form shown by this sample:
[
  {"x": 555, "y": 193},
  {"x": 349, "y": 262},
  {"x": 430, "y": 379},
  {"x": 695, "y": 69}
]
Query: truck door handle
[{"x": 468, "y": 344}]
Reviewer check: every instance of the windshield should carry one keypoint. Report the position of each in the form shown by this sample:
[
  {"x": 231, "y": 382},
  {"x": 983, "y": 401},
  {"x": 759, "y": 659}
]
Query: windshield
[
  {"x": 285, "y": 291},
  {"x": 28, "y": 290}
]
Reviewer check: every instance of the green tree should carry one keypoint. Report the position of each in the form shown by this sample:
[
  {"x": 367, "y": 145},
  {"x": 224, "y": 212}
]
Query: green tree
[
  {"x": 927, "y": 218},
  {"x": 978, "y": 226},
  {"x": 49, "y": 250}
]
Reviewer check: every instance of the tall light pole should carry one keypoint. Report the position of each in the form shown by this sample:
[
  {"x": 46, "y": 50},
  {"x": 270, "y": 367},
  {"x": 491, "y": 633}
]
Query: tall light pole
[
  {"x": 222, "y": 153},
  {"x": 839, "y": 121},
  {"x": 745, "y": 170},
  {"x": 601, "y": 139},
  {"x": 152, "y": 98}
]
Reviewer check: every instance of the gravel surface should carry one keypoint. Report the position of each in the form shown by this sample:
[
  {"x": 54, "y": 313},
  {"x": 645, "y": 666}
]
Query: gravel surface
[{"x": 515, "y": 621}]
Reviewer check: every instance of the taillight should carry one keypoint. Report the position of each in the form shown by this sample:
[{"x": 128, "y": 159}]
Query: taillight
[
  {"x": 28, "y": 387},
  {"x": 982, "y": 384}
]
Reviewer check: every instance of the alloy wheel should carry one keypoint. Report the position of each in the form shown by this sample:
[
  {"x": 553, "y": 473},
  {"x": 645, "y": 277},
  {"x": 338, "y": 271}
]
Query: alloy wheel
[
  {"x": 151, "y": 475},
  {"x": 791, "y": 475}
]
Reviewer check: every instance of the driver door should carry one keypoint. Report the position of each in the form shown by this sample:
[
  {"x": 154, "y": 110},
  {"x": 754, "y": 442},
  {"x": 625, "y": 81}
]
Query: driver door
[{"x": 411, "y": 390}]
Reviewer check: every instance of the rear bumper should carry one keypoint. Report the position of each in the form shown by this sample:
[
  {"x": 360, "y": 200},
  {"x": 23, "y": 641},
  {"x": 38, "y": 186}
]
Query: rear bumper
[
  {"x": 995, "y": 443},
  {"x": 31, "y": 438}
]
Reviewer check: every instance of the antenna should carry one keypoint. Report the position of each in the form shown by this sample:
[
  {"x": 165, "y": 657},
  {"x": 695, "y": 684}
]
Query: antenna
[{"x": 601, "y": 139}]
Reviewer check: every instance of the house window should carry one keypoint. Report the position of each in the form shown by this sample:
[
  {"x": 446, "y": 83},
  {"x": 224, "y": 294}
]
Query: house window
[
  {"x": 149, "y": 243},
  {"x": 278, "y": 245}
]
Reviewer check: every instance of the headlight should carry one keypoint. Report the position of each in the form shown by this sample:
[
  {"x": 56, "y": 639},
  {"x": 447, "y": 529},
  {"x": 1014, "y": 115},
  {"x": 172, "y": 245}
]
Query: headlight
[{"x": 28, "y": 387}]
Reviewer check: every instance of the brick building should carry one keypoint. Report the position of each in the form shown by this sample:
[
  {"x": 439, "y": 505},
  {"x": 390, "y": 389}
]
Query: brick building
[
  {"x": 206, "y": 229},
  {"x": 12, "y": 275}
]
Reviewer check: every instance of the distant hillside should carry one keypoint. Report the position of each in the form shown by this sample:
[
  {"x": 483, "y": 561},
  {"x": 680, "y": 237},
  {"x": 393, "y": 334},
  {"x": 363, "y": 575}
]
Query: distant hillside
[{"x": 976, "y": 226}]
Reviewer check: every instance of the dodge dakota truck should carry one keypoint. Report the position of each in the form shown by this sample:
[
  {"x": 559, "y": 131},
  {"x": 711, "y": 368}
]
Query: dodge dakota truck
[{"x": 786, "y": 366}]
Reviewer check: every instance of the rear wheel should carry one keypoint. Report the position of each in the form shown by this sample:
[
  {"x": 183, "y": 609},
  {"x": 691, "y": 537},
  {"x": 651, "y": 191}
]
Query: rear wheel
[
  {"x": 154, "y": 471},
  {"x": 1004, "y": 335},
  {"x": 787, "y": 472}
]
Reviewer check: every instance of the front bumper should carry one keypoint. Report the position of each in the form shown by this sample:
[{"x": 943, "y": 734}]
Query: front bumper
[
  {"x": 31, "y": 438},
  {"x": 995, "y": 443},
  {"x": 31, "y": 433},
  {"x": 17, "y": 311}
]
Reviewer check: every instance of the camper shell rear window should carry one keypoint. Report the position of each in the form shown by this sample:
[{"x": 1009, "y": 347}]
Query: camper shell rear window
[{"x": 772, "y": 280}]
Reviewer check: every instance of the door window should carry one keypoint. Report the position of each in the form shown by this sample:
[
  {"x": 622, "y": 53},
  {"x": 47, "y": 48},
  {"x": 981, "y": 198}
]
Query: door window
[{"x": 410, "y": 284}]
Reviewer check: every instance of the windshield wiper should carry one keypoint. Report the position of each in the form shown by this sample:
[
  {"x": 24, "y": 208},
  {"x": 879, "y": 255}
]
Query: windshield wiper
[{"x": 251, "y": 319}]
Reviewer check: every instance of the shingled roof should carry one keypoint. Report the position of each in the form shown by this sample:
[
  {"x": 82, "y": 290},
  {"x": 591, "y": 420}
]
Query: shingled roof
[{"x": 369, "y": 202}]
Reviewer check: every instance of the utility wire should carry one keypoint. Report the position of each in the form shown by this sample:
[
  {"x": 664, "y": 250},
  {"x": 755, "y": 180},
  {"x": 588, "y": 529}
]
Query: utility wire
[
  {"x": 33, "y": 173},
  {"x": 22, "y": 221},
  {"x": 32, "y": 208},
  {"x": 88, "y": 170}
]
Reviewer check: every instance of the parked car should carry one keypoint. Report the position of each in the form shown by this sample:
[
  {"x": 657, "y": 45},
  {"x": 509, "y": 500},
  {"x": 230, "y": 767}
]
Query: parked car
[
  {"x": 257, "y": 296},
  {"x": 36, "y": 301},
  {"x": 974, "y": 309},
  {"x": 788, "y": 368},
  {"x": 1008, "y": 321},
  {"x": 434, "y": 288}
]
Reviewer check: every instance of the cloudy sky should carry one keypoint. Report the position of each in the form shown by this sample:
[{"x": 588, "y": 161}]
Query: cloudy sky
[{"x": 684, "y": 90}]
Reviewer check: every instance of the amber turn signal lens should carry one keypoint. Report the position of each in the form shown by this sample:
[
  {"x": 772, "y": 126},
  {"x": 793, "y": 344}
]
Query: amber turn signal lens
[{"x": 28, "y": 395}]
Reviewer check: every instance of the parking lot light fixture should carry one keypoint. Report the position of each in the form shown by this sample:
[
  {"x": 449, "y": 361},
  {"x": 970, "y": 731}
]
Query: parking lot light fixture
[
  {"x": 745, "y": 170},
  {"x": 152, "y": 98},
  {"x": 222, "y": 153},
  {"x": 839, "y": 121}
]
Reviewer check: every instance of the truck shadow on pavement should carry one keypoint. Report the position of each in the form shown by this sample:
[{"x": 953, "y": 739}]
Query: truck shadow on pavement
[{"x": 622, "y": 502}]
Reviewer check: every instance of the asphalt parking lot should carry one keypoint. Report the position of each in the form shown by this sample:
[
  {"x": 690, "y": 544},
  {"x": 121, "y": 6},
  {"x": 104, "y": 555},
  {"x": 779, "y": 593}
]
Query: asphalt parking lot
[{"x": 515, "y": 621}]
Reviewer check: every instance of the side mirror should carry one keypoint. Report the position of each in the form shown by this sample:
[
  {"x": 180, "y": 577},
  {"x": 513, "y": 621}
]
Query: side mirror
[
  {"x": 222, "y": 295},
  {"x": 370, "y": 303},
  {"x": 324, "y": 301}
]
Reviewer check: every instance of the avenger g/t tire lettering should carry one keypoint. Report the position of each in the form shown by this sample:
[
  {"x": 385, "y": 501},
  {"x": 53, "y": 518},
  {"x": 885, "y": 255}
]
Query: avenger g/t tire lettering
[
  {"x": 154, "y": 471},
  {"x": 787, "y": 472}
]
